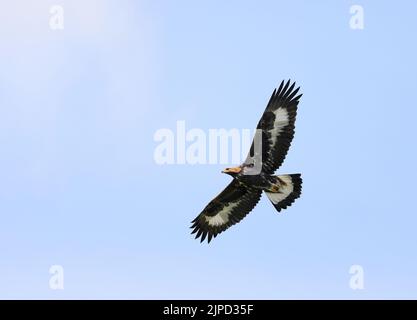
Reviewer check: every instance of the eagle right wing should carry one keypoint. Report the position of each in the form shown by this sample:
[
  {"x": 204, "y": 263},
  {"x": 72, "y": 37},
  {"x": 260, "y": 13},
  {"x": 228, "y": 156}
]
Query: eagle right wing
[
  {"x": 228, "y": 208},
  {"x": 275, "y": 130}
]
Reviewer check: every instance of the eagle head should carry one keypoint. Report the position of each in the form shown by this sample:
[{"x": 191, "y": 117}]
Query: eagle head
[{"x": 232, "y": 171}]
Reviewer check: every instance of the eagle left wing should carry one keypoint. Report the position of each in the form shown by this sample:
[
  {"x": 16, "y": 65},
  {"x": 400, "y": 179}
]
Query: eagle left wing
[
  {"x": 225, "y": 210},
  {"x": 275, "y": 130}
]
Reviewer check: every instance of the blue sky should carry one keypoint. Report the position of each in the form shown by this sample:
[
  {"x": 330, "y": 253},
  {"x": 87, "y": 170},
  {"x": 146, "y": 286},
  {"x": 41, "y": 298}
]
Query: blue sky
[{"x": 79, "y": 186}]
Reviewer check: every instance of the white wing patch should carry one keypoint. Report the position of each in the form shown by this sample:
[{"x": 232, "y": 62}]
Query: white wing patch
[
  {"x": 281, "y": 121},
  {"x": 284, "y": 190},
  {"x": 222, "y": 217}
]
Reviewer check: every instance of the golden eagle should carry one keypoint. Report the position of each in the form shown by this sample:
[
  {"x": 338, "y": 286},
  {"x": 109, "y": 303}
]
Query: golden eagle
[{"x": 270, "y": 145}]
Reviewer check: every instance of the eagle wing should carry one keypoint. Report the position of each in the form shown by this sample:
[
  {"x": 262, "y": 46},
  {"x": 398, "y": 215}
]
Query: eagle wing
[
  {"x": 225, "y": 210},
  {"x": 275, "y": 129}
]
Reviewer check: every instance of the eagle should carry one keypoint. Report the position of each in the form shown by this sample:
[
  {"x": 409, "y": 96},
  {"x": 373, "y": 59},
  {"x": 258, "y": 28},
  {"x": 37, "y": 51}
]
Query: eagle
[{"x": 255, "y": 175}]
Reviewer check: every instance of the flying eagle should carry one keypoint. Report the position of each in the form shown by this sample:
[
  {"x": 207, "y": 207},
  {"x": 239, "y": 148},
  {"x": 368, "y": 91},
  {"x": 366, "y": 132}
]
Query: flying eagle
[{"x": 270, "y": 145}]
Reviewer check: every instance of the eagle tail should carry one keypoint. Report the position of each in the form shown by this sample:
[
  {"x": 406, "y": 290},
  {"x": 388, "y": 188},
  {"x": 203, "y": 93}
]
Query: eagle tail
[{"x": 289, "y": 190}]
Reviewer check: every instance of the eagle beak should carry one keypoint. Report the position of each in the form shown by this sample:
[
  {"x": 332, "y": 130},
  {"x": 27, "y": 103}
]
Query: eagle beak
[{"x": 232, "y": 170}]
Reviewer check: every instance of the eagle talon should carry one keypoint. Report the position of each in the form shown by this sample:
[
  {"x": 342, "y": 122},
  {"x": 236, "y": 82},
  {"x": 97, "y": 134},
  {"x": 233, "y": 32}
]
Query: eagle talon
[{"x": 275, "y": 188}]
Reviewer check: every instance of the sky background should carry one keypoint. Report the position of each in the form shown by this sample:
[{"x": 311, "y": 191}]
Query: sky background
[{"x": 79, "y": 186}]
